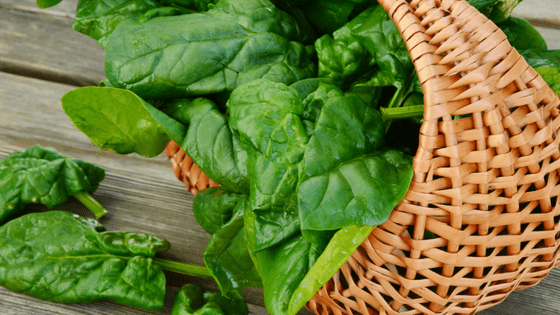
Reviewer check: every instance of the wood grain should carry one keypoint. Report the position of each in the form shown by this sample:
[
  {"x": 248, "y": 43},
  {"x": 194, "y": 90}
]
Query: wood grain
[{"x": 43, "y": 45}]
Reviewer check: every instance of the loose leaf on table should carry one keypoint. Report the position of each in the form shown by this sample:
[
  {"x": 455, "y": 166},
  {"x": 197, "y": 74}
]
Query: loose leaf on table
[
  {"x": 61, "y": 257},
  {"x": 496, "y": 10},
  {"x": 98, "y": 18},
  {"x": 118, "y": 120},
  {"x": 193, "y": 300},
  {"x": 44, "y": 176},
  {"x": 240, "y": 40}
]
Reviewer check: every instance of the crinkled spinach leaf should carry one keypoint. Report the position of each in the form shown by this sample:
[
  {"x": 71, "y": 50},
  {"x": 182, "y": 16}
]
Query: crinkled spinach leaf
[
  {"x": 210, "y": 142},
  {"x": 240, "y": 41},
  {"x": 227, "y": 256},
  {"x": 213, "y": 208},
  {"x": 193, "y": 300},
  {"x": 61, "y": 257},
  {"x": 98, "y": 18},
  {"x": 370, "y": 44},
  {"x": 361, "y": 191},
  {"x": 44, "y": 176}
]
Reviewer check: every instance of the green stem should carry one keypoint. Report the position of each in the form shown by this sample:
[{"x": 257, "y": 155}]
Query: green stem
[
  {"x": 186, "y": 269},
  {"x": 402, "y": 112},
  {"x": 90, "y": 203}
]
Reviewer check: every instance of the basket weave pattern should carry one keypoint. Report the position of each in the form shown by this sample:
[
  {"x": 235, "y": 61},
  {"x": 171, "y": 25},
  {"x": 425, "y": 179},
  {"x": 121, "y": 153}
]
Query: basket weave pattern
[{"x": 481, "y": 217}]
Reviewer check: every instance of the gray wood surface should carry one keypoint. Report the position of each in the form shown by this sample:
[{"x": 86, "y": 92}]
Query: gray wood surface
[{"x": 42, "y": 58}]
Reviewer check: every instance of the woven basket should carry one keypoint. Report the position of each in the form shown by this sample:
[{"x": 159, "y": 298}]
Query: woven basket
[{"x": 486, "y": 184}]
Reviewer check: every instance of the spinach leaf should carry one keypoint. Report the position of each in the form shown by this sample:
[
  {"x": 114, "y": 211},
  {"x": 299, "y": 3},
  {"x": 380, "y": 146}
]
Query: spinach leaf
[
  {"x": 98, "y": 18},
  {"x": 547, "y": 64},
  {"x": 360, "y": 191},
  {"x": 240, "y": 41},
  {"x": 343, "y": 244},
  {"x": 61, "y": 257},
  {"x": 496, "y": 10},
  {"x": 227, "y": 256},
  {"x": 213, "y": 208},
  {"x": 370, "y": 44},
  {"x": 193, "y": 300},
  {"x": 196, "y": 5},
  {"x": 326, "y": 15},
  {"x": 44, "y": 176},
  {"x": 43, "y": 4},
  {"x": 209, "y": 141},
  {"x": 118, "y": 120},
  {"x": 518, "y": 32}
]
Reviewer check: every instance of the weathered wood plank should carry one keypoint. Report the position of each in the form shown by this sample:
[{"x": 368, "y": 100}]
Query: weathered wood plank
[{"x": 42, "y": 44}]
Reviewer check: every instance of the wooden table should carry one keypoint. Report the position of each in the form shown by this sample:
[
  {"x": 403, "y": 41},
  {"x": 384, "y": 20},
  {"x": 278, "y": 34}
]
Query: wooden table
[{"x": 42, "y": 58}]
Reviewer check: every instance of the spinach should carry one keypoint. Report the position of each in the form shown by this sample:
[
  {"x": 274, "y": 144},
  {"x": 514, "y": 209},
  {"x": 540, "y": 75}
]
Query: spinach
[
  {"x": 193, "y": 300},
  {"x": 61, "y": 257},
  {"x": 104, "y": 115},
  {"x": 44, "y": 176},
  {"x": 240, "y": 41},
  {"x": 228, "y": 258},
  {"x": 518, "y": 31},
  {"x": 43, "y": 4},
  {"x": 209, "y": 140},
  {"x": 99, "y": 18},
  {"x": 547, "y": 64}
]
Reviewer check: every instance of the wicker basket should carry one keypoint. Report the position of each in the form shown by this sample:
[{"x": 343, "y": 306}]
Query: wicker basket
[{"x": 486, "y": 185}]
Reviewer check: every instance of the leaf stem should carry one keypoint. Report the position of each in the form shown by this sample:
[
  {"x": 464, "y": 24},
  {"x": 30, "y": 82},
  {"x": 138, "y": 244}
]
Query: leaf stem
[
  {"x": 402, "y": 112},
  {"x": 186, "y": 269},
  {"x": 90, "y": 203}
]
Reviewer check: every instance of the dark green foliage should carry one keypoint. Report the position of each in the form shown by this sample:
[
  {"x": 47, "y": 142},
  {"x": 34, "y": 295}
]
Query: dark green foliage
[
  {"x": 44, "y": 176},
  {"x": 61, "y": 257}
]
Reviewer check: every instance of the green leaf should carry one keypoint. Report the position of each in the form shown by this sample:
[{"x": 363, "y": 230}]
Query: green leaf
[
  {"x": 210, "y": 142},
  {"x": 343, "y": 244},
  {"x": 519, "y": 30},
  {"x": 240, "y": 40},
  {"x": 98, "y": 18},
  {"x": 43, "y": 176},
  {"x": 61, "y": 257},
  {"x": 369, "y": 44},
  {"x": 496, "y": 10},
  {"x": 213, "y": 208},
  {"x": 193, "y": 300},
  {"x": 118, "y": 120},
  {"x": 43, "y": 4},
  {"x": 227, "y": 256},
  {"x": 196, "y": 5},
  {"x": 547, "y": 64},
  {"x": 361, "y": 191}
]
